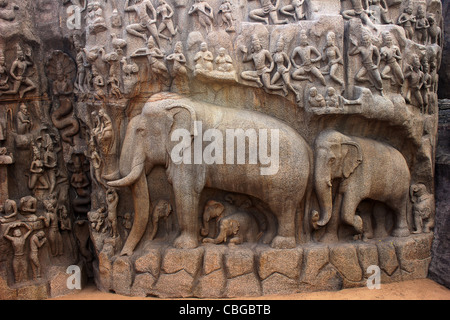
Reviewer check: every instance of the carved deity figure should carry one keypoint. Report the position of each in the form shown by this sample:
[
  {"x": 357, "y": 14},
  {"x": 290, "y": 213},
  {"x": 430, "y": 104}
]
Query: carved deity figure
[
  {"x": 415, "y": 81},
  {"x": 204, "y": 59},
  {"x": 226, "y": 13},
  {"x": 332, "y": 55},
  {"x": 37, "y": 171},
  {"x": 4, "y": 78},
  {"x": 283, "y": 67},
  {"x": 392, "y": 55},
  {"x": 50, "y": 219},
  {"x": 297, "y": 7},
  {"x": 407, "y": 21},
  {"x": 82, "y": 65},
  {"x": 378, "y": 10},
  {"x": 204, "y": 13},
  {"x": 156, "y": 61},
  {"x": 179, "y": 71},
  {"x": 263, "y": 62},
  {"x": 146, "y": 23},
  {"x": 426, "y": 87},
  {"x": 267, "y": 10},
  {"x": 315, "y": 99},
  {"x": 8, "y": 10},
  {"x": 37, "y": 240},
  {"x": 370, "y": 58},
  {"x": 10, "y": 211},
  {"x": 94, "y": 18},
  {"x": 19, "y": 74},
  {"x": 307, "y": 68},
  {"x": 112, "y": 200},
  {"x": 50, "y": 164},
  {"x": 421, "y": 26},
  {"x": 166, "y": 12},
  {"x": 24, "y": 122},
  {"x": 359, "y": 10},
  {"x": 223, "y": 61},
  {"x": 113, "y": 60},
  {"x": 18, "y": 242}
]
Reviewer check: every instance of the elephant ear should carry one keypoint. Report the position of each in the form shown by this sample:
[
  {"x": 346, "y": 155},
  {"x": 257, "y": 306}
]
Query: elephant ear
[{"x": 352, "y": 158}]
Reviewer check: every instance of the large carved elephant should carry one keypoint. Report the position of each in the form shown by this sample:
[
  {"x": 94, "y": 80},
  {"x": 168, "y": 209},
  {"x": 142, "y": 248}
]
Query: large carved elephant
[
  {"x": 366, "y": 169},
  {"x": 148, "y": 143}
]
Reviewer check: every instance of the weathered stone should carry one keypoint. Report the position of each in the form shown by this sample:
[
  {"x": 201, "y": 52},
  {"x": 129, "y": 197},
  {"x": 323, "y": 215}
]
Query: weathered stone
[
  {"x": 345, "y": 259},
  {"x": 213, "y": 259},
  {"x": 6, "y": 293},
  {"x": 211, "y": 285},
  {"x": 149, "y": 262},
  {"x": 182, "y": 259},
  {"x": 387, "y": 256},
  {"x": 33, "y": 292},
  {"x": 367, "y": 255},
  {"x": 143, "y": 284},
  {"x": 277, "y": 283},
  {"x": 315, "y": 258},
  {"x": 239, "y": 261},
  {"x": 245, "y": 285},
  {"x": 287, "y": 262},
  {"x": 179, "y": 284},
  {"x": 122, "y": 275}
]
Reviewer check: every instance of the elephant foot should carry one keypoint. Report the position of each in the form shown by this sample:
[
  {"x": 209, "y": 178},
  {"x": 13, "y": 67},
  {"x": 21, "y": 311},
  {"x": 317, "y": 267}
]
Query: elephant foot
[
  {"x": 280, "y": 242},
  {"x": 186, "y": 241},
  {"x": 358, "y": 224},
  {"x": 401, "y": 232}
]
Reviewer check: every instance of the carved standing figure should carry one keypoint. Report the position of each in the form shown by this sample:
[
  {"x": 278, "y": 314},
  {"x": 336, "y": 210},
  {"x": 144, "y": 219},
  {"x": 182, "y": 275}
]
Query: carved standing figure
[
  {"x": 392, "y": 55},
  {"x": 18, "y": 242},
  {"x": 283, "y": 64},
  {"x": 179, "y": 71},
  {"x": 415, "y": 81},
  {"x": 37, "y": 171},
  {"x": 307, "y": 68},
  {"x": 146, "y": 23},
  {"x": 166, "y": 12},
  {"x": 423, "y": 208},
  {"x": 226, "y": 13},
  {"x": 370, "y": 58},
  {"x": 37, "y": 240},
  {"x": 24, "y": 122},
  {"x": 421, "y": 26},
  {"x": 204, "y": 12},
  {"x": 50, "y": 219},
  {"x": 4, "y": 78},
  {"x": 112, "y": 200},
  {"x": 332, "y": 54},
  {"x": 407, "y": 21}
]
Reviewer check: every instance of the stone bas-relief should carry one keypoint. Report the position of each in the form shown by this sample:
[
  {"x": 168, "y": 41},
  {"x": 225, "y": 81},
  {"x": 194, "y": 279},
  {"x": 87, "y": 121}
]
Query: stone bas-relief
[{"x": 86, "y": 136}]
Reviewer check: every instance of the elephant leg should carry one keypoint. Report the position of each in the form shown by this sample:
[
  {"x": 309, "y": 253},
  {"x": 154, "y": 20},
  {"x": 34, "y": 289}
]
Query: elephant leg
[
  {"x": 285, "y": 238},
  {"x": 186, "y": 200},
  {"x": 401, "y": 225},
  {"x": 348, "y": 212}
]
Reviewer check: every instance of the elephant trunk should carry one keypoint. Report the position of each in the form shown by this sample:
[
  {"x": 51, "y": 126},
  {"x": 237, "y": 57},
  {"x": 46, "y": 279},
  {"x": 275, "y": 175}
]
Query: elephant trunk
[
  {"x": 323, "y": 188},
  {"x": 130, "y": 179}
]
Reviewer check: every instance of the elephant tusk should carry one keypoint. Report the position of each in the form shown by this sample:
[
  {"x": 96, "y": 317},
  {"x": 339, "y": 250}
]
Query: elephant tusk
[
  {"x": 131, "y": 178},
  {"x": 329, "y": 183}
]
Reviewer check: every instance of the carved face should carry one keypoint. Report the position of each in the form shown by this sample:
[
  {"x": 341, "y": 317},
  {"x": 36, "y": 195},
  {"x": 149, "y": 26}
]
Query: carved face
[
  {"x": 330, "y": 38},
  {"x": 313, "y": 92},
  {"x": 17, "y": 233},
  {"x": 203, "y": 46}
]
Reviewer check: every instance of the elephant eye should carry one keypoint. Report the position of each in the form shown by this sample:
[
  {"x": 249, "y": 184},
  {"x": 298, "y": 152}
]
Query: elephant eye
[{"x": 332, "y": 160}]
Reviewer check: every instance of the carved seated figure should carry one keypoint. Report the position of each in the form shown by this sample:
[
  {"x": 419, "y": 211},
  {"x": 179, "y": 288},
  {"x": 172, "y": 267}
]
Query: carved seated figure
[
  {"x": 28, "y": 206},
  {"x": 203, "y": 59},
  {"x": 316, "y": 100},
  {"x": 10, "y": 211},
  {"x": 94, "y": 19},
  {"x": 97, "y": 219}
]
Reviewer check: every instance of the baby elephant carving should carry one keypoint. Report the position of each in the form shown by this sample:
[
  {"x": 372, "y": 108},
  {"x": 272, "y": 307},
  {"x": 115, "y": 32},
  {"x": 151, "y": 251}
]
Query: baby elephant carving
[
  {"x": 238, "y": 227},
  {"x": 423, "y": 208},
  {"x": 162, "y": 209}
]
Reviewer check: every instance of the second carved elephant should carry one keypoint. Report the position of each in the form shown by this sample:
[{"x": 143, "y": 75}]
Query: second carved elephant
[
  {"x": 364, "y": 169},
  {"x": 149, "y": 143}
]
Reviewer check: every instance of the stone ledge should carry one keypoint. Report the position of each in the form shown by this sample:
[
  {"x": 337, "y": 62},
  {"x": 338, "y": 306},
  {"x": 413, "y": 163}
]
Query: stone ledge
[{"x": 221, "y": 271}]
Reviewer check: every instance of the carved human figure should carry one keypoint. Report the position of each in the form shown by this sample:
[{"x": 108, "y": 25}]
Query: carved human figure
[
  {"x": 97, "y": 219},
  {"x": 370, "y": 58},
  {"x": 359, "y": 10},
  {"x": 112, "y": 200},
  {"x": 204, "y": 13},
  {"x": 378, "y": 10},
  {"x": 166, "y": 12},
  {"x": 127, "y": 223},
  {"x": 421, "y": 26},
  {"x": 10, "y": 211},
  {"x": 82, "y": 65},
  {"x": 392, "y": 55},
  {"x": 307, "y": 68},
  {"x": 315, "y": 99},
  {"x": 94, "y": 18},
  {"x": 427, "y": 83},
  {"x": 99, "y": 85},
  {"x": 146, "y": 23},
  {"x": 267, "y": 10},
  {"x": 204, "y": 59},
  {"x": 297, "y": 7},
  {"x": 283, "y": 67},
  {"x": 263, "y": 62},
  {"x": 18, "y": 242},
  {"x": 156, "y": 61},
  {"x": 179, "y": 71},
  {"x": 4, "y": 78},
  {"x": 19, "y": 74},
  {"x": 332, "y": 98},
  {"x": 37, "y": 240},
  {"x": 161, "y": 210},
  {"x": 226, "y": 14},
  {"x": 223, "y": 61},
  {"x": 407, "y": 21},
  {"x": 116, "y": 19},
  {"x": 24, "y": 122},
  {"x": 8, "y": 10},
  {"x": 50, "y": 162},
  {"x": 96, "y": 162},
  {"x": 415, "y": 81},
  {"x": 50, "y": 219},
  {"x": 113, "y": 60},
  {"x": 28, "y": 205},
  {"x": 105, "y": 137},
  {"x": 423, "y": 208},
  {"x": 332, "y": 55},
  {"x": 65, "y": 222},
  {"x": 37, "y": 171}
]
